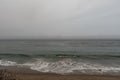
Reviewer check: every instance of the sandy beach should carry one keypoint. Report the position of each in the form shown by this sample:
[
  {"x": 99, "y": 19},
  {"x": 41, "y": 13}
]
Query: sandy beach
[
  {"x": 34, "y": 75},
  {"x": 48, "y": 76}
]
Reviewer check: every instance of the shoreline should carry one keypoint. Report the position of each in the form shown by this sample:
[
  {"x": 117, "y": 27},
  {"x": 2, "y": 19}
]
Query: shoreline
[
  {"x": 27, "y": 70},
  {"x": 28, "y": 74}
]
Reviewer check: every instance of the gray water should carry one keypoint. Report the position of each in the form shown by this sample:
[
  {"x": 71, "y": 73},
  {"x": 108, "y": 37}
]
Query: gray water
[{"x": 63, "y": 56}]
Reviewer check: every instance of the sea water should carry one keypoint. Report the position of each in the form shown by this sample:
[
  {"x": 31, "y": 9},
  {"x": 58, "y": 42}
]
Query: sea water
[{"x": 63, "y": 56}]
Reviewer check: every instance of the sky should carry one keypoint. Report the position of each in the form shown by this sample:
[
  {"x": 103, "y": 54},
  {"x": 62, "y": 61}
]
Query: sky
[{"x": 59, "y": 19}]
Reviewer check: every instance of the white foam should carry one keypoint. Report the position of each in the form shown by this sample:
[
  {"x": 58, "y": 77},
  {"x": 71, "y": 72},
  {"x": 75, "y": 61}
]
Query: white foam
[
  {"x": 69, "y": 66},
  {"x": 7, "y": 63},
  {"x": 64, "y": 66}
]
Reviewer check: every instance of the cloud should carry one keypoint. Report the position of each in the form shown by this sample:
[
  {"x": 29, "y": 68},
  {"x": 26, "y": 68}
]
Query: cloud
[{"x": 54, "y": 18}]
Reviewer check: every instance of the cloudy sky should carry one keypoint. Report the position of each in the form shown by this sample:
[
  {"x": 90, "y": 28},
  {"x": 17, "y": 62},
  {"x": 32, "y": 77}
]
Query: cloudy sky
[{"x": 59, "y": 19}]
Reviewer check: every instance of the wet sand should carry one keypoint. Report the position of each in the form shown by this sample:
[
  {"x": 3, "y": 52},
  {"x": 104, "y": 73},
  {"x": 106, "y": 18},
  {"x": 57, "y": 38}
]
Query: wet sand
[
  {"x": 27, "y": 74},
  {"x": 48, "y": 76}
]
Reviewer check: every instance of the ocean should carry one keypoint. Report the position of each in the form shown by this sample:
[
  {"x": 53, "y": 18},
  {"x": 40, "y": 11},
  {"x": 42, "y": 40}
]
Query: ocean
[{"x": 63, "y": 56}]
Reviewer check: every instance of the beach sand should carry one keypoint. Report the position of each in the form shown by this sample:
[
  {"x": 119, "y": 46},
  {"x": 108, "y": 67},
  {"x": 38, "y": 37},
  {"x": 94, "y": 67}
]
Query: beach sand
[
  {"x": 48, "y": 76},
  {"x": 28, "y": 74}
]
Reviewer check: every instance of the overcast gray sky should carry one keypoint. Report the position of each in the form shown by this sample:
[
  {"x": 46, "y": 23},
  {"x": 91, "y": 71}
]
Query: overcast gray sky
[{"x": 59, "y": 19}]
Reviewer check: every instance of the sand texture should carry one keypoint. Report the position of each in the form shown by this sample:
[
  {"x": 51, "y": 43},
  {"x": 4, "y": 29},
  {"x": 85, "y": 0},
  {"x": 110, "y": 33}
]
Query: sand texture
[{"x": 11, "y": 75}]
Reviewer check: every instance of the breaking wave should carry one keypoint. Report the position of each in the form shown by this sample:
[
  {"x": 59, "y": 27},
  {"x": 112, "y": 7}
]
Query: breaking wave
[
  {"x": 7, "y": 63},
  {"x": 70, "y": 66},
  {"x": 65, "y": 66}
]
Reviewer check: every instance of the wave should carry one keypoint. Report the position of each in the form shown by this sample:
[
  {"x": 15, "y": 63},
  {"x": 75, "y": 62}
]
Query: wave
[
  {"x": 7, "y": 63},
  {"x": 70, "y": 66},
  {"x": 57, "y": 55},
  {"x": 65, "y": 66},
  {"x": 14, "y": 55}
]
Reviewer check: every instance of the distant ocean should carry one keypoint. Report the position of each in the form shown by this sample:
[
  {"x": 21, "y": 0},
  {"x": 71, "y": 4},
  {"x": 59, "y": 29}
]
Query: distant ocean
[{"x": 63, "y": 56}]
